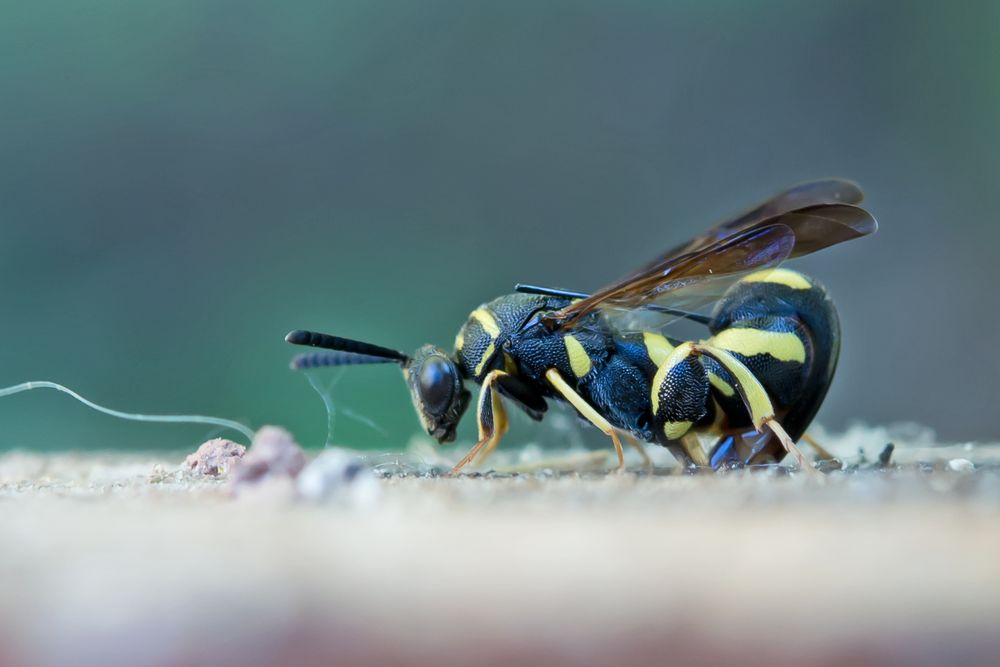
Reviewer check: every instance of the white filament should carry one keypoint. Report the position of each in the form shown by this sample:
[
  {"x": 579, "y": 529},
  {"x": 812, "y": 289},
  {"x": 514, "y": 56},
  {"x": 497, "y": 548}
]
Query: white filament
[{"x": 167, "y": 419}]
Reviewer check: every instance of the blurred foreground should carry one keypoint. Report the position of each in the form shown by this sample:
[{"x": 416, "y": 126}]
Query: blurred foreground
[{"x": 131, "y": 560}]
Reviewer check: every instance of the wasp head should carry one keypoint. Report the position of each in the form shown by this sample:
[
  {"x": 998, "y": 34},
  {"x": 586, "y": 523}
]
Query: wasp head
[
  {"x": 437, "y": 391},
  {"x": 432, "y": 376}
]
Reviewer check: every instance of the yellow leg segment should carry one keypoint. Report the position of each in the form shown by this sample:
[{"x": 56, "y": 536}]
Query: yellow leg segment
[
  {"x": 491, "y": 430},
  {"x": 637, "y": 445},
  {"x": 692, "y": 445},
  {"x": 587, "y": 410},
  {"x": 756, "y": 400},
  {"x": 500, "y": 420}
]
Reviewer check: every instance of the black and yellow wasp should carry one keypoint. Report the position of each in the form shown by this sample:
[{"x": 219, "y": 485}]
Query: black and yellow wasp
[{"x": 753, "y": 383}]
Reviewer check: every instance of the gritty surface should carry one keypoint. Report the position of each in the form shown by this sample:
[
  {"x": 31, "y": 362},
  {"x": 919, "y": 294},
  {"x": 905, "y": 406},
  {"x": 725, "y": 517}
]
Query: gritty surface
[{"x": 134, "y": 560}]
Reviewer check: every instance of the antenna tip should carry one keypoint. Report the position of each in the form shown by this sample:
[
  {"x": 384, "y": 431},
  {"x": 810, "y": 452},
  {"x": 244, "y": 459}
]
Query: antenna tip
[{"x": 298, "y": 337}]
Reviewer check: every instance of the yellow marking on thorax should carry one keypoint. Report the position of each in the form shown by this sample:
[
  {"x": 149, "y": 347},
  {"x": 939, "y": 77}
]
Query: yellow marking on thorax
[
  {"x": 487, "y": 321},
  {"x": 680, "y": 353},
  {"x": 657, "y": 347},
  {"x": 460, "y": 339},
  {"x": 489, "y": 324},
  {"x": 579, "y": 360},
  {"x": 785, "y": 277},
  {"x": 720, "y": 384},
  {"x": 783, "y": 346},
  {"x": 508, "y": 364},
  {"x": 487, "y": 353}
]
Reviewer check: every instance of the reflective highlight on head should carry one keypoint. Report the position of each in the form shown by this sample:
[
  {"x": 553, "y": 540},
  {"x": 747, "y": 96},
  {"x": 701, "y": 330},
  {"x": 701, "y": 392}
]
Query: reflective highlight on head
[{"x": 436, "y": 388}]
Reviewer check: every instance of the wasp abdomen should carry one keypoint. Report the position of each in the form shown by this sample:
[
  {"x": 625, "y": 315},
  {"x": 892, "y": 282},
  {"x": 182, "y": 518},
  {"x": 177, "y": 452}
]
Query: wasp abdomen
[{"x": 783, "y": 327}]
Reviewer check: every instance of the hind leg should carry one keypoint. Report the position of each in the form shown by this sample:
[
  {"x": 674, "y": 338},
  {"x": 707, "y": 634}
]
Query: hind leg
[
  {"x": 679, "y": 398},
  {"x": 756, "y": 400}
]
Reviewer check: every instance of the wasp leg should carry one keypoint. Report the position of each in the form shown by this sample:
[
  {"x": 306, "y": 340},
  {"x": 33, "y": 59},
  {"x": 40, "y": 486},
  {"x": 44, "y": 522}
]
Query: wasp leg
[
  {"x": 678, "y": 398},
  {"x": 638, "y": 446},
  {"x": 691, "y": 445},
  {"x": 587, "y": 410},
  {"x": 820, "y": 450},
  {"x": 755, "y": 399},
  {"x": 492, "y": 418}
]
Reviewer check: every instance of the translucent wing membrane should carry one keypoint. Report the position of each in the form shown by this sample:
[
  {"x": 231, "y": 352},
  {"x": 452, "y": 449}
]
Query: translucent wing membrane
[
  {"x": 569, "y": 294},
  {"x": 805, "y": 195},
  {"x": 694, "y": 280},
  {"x": 699, "y": 272}
]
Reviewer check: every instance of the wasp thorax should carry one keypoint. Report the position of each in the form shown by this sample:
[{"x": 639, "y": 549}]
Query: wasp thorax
[{"x": 437, "y": 391}]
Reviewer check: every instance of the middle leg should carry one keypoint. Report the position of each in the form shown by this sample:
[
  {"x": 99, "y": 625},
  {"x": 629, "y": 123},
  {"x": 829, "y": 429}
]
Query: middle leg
[{"x": 587, "y": 410}]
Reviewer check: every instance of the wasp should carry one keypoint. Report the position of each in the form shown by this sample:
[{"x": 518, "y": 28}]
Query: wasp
[{"x": 751, "y": 385}]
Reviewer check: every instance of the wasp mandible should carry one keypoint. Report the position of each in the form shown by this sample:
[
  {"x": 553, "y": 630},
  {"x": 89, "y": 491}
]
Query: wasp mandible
[{"x": 753, "y": 383}]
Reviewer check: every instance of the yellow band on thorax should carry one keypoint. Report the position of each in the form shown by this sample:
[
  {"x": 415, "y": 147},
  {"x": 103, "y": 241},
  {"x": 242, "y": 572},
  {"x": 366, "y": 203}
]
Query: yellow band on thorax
[
  {"x": 487, "y": 353},
  {"x": 579, "y": 360},
  {"x": 487, "y": 321}
]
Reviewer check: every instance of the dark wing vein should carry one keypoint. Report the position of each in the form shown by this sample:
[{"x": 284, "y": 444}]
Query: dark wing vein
[{"x": 701, "y": 275}]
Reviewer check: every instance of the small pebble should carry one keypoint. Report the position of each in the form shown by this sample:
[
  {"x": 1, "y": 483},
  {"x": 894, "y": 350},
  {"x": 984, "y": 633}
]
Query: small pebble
[
  {"x": 829, "y": 465},
  {"x": 339, "y": 475},
  {"x": 274, "y": 454},
  {"x": 885, "y": 458},
  {"x": 961, "y": 465},
  {"x": 214, "y": 458}
]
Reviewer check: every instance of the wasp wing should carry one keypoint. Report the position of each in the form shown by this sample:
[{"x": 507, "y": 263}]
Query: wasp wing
[
  {"x": 701, "y": 275},
  {"x": 804, "y": 195}
]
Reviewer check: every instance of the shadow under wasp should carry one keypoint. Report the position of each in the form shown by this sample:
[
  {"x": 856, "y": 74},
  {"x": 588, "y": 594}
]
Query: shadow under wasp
[{"x": 753, "y": 383}]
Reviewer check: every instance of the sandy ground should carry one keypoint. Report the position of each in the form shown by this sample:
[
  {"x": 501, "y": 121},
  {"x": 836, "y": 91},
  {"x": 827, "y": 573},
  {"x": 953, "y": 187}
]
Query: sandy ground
[{"x": 127, "y": 560}]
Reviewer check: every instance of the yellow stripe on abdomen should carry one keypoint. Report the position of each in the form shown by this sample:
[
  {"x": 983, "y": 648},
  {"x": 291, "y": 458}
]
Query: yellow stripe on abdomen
[
  {"x": 783, "y": 346},
  {"x": 785, "y": 277}
]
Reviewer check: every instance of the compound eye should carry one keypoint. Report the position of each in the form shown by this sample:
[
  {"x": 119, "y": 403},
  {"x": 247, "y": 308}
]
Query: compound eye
[{"x": 437, "y": 384}]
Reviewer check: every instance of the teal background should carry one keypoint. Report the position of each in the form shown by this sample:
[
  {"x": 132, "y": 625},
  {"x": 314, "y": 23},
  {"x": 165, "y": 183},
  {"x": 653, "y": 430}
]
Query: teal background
[{"x": 183, "y": 182}]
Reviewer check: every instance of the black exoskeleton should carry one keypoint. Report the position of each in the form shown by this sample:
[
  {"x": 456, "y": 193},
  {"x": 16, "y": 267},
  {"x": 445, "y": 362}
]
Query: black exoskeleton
[{"x": 754, "y": 383}]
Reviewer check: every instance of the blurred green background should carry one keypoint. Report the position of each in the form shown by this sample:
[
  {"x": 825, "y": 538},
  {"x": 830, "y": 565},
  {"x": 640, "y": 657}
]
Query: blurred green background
[{"x": 183, "y": 182}]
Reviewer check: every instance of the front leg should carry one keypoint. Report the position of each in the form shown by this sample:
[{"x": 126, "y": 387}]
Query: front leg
[{"x": 492, "y": 419}]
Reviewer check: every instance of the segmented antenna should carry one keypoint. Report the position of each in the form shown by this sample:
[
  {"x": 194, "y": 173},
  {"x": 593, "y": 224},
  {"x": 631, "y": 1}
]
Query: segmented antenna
[
  {"x": 334, "y": 358},
  {"x": 326, "y": 341}
]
